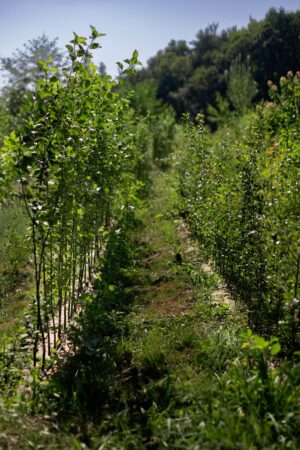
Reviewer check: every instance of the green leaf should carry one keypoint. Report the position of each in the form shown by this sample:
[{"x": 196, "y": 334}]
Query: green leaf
[
  {"x": 78, "y": 39},
  {"x": 42, "y": 64},
  {"x": 80, "y": 52},
  {"x": 130, "y": 71},
  {"x": 259, "y": 342},
  {"x": 275, "y": 349},
  {"x": 95, "y": 45},
  {"x": 95, "y": 33},
  {"x": 78, "y": 66},
  {"x": 81, "y": 40}
]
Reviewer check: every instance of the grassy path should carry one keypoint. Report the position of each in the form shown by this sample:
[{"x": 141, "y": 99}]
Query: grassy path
[
  {"x": 180, "y": 337},
  {"x": 158, "y": 360},
  {"x": 15, "y": 272},
  {"x": 13, "y": 306}
]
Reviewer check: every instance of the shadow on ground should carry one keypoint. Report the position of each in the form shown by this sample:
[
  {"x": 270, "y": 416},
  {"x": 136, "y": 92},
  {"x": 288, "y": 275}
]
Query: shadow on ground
[{"x": 97, "y": 385}]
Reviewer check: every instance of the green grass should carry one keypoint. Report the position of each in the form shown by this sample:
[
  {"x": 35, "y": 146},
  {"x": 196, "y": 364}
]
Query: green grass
[
  {"x": 12, "y": 311},
  {"x": 15, "y": 276}
]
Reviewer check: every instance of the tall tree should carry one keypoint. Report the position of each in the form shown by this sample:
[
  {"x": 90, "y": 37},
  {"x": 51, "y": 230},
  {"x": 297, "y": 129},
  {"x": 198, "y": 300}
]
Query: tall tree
[
  {"x": 22, "y": 69},
  {"x": 241, "y": 88}
]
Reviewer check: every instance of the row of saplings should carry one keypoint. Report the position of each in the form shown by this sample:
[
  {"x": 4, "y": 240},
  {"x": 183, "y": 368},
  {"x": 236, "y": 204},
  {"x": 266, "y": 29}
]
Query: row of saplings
[
  {"x": 74, "y": 162},
  {"x": 241, "y": 194}
]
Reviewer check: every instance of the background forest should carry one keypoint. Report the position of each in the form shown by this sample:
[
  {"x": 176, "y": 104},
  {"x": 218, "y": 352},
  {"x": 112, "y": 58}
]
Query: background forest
[{"x": 192, "y": 76}]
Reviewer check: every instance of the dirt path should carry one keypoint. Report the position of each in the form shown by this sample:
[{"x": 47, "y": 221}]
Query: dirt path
[{"x": 174, "y": 253}]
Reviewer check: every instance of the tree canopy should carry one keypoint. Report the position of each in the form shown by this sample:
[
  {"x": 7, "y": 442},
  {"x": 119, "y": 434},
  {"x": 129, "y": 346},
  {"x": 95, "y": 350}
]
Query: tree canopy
[
  {"x": 188, "y": 76},
  {"x": 23, "y": 68}
]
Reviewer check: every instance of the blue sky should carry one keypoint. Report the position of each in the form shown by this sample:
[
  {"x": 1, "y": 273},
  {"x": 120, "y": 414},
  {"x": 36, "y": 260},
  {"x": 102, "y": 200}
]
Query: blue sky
[{"x": 145, "y": 25}]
